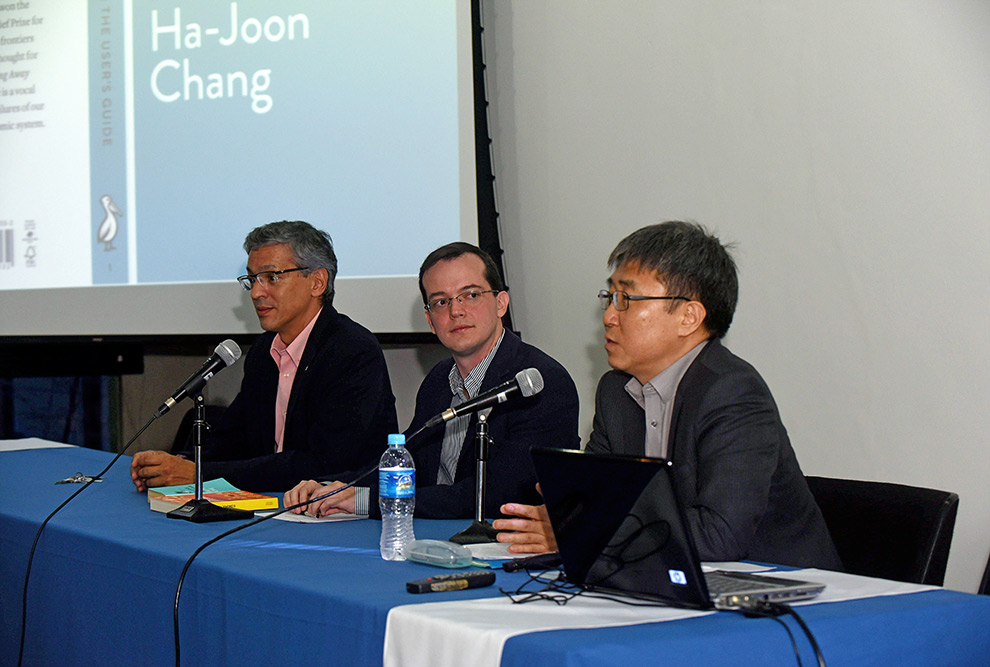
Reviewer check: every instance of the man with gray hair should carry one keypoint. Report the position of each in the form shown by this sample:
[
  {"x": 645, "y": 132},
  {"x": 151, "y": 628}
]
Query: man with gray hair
[
  {"x": 676, "y": 393},
  {"x": 316, "y": 394}
]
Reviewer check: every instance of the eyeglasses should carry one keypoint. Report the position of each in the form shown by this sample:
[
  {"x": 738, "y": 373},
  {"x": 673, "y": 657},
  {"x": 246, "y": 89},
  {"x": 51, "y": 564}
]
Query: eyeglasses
[
  {"x": 266, "y": 278},
  {"x": 621, "y": 299},
  {"x": 469, "y": 298}
]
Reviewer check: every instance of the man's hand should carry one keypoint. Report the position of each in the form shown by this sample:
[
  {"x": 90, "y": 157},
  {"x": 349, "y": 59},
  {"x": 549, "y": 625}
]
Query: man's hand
[
  {"x": 155, "y": 468},
  {"x": 300, "y": 493},
  {"x": 342, "y": 502},
  {"x": 531, "y": 532}
]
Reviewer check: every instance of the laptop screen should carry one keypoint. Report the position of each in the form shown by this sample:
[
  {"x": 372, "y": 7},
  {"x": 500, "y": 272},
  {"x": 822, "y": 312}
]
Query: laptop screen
[{"x": 618, "y": 526}]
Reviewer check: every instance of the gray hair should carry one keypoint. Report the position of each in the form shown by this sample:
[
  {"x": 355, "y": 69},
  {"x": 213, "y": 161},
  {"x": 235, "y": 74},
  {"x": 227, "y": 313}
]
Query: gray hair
[{"x": 311, "y": 247}]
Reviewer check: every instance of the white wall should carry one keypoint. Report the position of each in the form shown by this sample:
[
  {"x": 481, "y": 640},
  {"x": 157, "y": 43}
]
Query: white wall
[{"x": 845, "y": 145}]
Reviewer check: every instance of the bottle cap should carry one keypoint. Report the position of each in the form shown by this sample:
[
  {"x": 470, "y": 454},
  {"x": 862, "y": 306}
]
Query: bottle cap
[{"x": 396, "y": 439}]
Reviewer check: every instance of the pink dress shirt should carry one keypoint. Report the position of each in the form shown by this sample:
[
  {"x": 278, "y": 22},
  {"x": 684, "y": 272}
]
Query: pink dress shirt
[{"x": 287, "y": 358}]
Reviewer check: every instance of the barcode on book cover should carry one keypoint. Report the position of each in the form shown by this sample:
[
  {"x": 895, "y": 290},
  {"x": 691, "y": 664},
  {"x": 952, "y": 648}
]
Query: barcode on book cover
[{"x": 6, "y": 248}]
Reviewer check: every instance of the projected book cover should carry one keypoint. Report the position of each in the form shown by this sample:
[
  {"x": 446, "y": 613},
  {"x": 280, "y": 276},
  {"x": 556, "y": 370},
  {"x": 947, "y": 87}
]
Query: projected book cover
[{"x": 142, "y": 140}]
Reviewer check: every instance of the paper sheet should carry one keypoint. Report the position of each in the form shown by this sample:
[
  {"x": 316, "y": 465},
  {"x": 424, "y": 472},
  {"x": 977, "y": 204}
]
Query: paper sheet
[
  {"x": 306, "y": 518},
  {"x": 29, "y": 443},
  {"x": 491, "y": 551}
]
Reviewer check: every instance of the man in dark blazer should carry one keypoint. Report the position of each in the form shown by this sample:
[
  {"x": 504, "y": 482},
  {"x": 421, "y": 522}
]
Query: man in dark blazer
[
  {"x": 465, "y": 301},
  {"x": 316, "y": 394},
  {"x": 678, "y": 394},
  {"x": 548, "y": 417}
]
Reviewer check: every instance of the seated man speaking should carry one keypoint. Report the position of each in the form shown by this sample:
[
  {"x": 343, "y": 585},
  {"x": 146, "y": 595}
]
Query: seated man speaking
[
  {"x": 316, "y": 395},
  {"x": 465, "y": 301},
  {"x": 677, "y": 393}
]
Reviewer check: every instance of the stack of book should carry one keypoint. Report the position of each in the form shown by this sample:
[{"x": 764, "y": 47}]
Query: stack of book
[{"x": 217, "y": 491}]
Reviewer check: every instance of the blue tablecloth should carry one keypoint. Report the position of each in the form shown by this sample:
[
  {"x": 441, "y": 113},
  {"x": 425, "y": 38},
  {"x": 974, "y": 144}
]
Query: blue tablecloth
[{"x": 104, "y": 578}]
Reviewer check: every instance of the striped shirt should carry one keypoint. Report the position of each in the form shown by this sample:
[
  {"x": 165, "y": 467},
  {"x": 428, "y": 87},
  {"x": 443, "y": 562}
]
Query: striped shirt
[{"x": 462, "y": 390}]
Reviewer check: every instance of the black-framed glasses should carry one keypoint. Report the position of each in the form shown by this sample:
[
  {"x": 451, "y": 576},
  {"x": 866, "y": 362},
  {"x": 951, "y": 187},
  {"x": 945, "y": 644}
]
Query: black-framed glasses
[
  {"x": 621, "y": 299},
  {"x": 266, "y": 278},
  {"x": 470, "y": 298}
]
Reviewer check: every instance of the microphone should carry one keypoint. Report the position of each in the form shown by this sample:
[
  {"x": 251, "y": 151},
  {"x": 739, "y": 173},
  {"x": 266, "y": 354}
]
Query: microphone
[
  {"x": 224, "y": 355},
  {"x": 527, "y": 382}
]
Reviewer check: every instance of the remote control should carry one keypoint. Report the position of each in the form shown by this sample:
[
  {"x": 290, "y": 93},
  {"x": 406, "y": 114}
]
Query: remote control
[{"x": 457, "y": 581}]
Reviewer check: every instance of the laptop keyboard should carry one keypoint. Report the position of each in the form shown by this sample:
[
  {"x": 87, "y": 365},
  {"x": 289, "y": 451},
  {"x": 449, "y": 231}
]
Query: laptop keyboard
[{"x": 719, "y": 584}]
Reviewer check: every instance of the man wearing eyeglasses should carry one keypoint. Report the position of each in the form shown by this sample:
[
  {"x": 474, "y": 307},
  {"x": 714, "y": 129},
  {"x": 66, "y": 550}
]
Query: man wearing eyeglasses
[
  {"x": 676, "y": 393},
  {"x": 464, "y": 301},
  {"x": 316, "y": 394}
]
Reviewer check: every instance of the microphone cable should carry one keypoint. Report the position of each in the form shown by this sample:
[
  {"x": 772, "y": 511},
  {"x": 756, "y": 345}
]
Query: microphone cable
[
  {"x": 178, "y": 591},
  {"x": 34, "y": 545},
  {"x": 254, "y": 522},
  {"x": 228, "y": 352}
]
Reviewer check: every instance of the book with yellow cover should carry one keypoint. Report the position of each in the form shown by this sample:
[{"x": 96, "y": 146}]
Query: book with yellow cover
[{"x": 217, "y": 491}]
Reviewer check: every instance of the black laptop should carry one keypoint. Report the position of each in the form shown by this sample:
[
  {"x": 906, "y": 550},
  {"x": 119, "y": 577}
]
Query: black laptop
[{"x": 620, "y": 529}]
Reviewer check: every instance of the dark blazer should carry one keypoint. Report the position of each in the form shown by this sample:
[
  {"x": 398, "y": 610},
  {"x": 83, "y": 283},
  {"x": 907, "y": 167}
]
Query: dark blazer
[
  {"x": 547, "y": 419},
  {"x": 732, "y": 464},
  {"x": 340, "y": 411}
]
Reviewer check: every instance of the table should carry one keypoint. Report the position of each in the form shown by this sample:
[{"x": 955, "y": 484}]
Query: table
[{"x": 104, "y": 577}]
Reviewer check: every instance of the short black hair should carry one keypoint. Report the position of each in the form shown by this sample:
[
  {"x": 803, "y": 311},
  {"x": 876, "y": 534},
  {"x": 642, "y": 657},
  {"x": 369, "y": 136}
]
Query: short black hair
[
  {"x": 311, "y": 247},
  {"x": 455, "y": 250},
  {"x": 689, "y": 261}
]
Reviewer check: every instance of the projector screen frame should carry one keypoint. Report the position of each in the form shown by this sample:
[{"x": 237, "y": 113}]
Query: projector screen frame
[
  {"x": 89, "y": 350},
  {"x": 231, "y": 312}
]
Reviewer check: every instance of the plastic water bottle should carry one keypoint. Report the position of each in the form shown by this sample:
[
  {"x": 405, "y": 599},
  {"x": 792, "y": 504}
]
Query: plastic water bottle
[{"x": 396, "y": 497}]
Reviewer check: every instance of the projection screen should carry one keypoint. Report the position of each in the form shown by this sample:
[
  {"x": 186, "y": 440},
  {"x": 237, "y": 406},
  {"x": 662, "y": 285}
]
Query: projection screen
[{"x": 140, "y": 141}]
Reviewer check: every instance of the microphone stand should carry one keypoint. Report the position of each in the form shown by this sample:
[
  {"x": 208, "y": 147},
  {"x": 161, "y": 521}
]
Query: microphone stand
[
  {"x": 200, "y": 510},
  {"x": 480, "y": 531}
]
